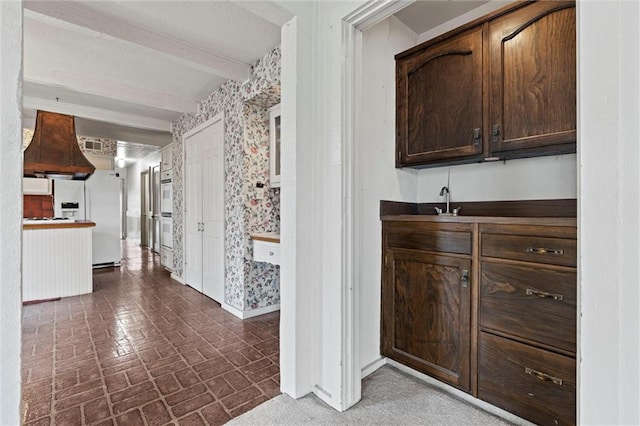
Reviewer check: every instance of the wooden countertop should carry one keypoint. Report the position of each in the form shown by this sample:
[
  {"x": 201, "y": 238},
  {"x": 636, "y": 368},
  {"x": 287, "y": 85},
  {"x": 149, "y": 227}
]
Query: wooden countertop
[
  {"x": 271, "y": 237},
  {"x": 53, "y": 225},
  {"x": 554, "y": 221}
]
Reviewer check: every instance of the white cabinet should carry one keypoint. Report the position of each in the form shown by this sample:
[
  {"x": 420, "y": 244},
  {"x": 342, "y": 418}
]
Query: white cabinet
[
  {"x": 264, "y": 251},
  {"x": 36, "y": 186},
  {"x": 204, "y": 209},
  {"x": 266, "y": 247},
  {"x": 166, "y": 157},
  {"x": 56, "y": 262},
  {"x": 274, "y": 146}
]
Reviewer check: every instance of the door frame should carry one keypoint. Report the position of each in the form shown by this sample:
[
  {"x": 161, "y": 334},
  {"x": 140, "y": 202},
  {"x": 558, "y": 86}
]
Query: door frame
[
  {"x": 154, "y": 201},
  {"x": 353, "y": 25},
  {"x": 218, "y": 117},
  {"x": 145, "y": 200}
]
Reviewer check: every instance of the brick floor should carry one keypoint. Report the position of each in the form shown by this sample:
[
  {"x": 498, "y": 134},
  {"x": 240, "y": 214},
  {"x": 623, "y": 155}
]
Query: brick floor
[{"x": 143, "y": 349}]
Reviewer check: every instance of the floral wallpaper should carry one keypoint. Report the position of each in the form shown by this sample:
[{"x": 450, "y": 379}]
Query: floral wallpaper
[
  {"x": 109, "y": 146},
  {"x": 249, "y": 284}
]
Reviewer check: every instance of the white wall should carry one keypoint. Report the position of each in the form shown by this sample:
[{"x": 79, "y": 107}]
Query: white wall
[
  {"x": 132, "y": 185},
  {"x": 522, "y": 179},
  {"x": 11, "y": 212},
  {"x": 299, "y": 312},
  {"x": 609, "y": 216},
  {"x": 376, "y": 176}
]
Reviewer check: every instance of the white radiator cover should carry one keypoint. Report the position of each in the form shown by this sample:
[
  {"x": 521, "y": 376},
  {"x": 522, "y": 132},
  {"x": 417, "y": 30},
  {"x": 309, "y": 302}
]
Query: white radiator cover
[{"x": 56, "y": 263}]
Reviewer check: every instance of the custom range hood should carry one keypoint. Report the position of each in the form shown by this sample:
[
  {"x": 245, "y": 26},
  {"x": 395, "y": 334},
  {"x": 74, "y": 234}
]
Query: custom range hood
[{"x": 54, "y": 151}]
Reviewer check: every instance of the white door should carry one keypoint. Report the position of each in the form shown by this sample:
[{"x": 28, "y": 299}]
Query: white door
[
  {"x": 193, "y": 212},
  {"x": 213, "y": 212},
  {"x": 204, "y": 196},
  {"x": 102, "y": 193}
]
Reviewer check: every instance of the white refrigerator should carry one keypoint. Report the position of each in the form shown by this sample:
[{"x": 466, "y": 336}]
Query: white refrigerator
[{"x": 97, "y": 199}]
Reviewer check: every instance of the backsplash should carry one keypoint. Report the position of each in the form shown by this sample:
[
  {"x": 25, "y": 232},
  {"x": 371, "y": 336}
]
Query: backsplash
[
  {"x": 37, "y": 206},
  {"x": 248, "y": 284}
]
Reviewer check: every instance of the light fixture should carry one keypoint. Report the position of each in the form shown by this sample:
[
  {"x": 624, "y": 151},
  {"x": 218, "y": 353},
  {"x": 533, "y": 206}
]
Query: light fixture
[{"x": 121, "y": 162}]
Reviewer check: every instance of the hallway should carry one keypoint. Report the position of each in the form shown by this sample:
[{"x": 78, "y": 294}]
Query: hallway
[{"x": 144, "y": 350}]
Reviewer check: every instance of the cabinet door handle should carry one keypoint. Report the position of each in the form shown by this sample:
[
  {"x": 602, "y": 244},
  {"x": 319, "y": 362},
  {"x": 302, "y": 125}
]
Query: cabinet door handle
[
  {"x": 495, "y": 133},
  {"x": 543, "y": 376},
  {"x": 543, "y": 294},
  {"x": 544, "y": 250},
  {"x": 465, "y": 278},
  {"x": 476, "y": 136}
]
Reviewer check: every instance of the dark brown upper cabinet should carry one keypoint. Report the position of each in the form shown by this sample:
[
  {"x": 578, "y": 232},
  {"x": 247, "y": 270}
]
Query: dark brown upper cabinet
[
  {"x": 439, "y": 94},
  {"x": 533, "y": 80},
  {"x": 500, "y": 87}
]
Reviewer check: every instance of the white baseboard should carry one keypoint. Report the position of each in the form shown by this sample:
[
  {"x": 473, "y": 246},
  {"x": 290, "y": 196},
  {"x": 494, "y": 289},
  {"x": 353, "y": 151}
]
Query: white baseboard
[
  {"x": 252, "y": 313},
  {"x": 177, "y": 278},
  {"x": 372, "y": 367},
  {"x": 461, "y": 395}
]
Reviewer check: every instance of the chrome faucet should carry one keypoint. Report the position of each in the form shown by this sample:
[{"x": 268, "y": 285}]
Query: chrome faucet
[
  {"x": 447, "y": 197},
  {"x": 445, "y": 192}
]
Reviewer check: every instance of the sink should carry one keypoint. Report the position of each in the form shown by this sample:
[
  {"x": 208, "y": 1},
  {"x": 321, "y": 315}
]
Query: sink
[{"x": 455, "y": 212}]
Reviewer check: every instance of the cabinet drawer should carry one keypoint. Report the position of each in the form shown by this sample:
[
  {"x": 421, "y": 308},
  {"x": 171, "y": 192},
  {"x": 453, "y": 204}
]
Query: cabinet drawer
[
  {"x": 264, "y": 251},
  {"x": 554, "y": 251},
  {"x": 532, "y": 383},
  {"x": 425, "y": 236},
  {"x": 533, "y": 303}
]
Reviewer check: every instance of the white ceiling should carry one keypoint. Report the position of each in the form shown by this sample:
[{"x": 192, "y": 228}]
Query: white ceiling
[
  {"x": 128, "y": 69},
  {"x": 424, "y": 15}
]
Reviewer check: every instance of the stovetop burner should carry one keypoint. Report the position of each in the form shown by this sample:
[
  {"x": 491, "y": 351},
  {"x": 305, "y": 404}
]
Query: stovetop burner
[{"x": 32, "y": 220}]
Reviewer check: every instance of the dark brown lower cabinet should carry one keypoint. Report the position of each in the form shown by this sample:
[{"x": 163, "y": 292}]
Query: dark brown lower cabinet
[
  {"x": 485, "y": 304},
  {"x": 533, "y": 383},
  {"x": 427, "y": 324}
]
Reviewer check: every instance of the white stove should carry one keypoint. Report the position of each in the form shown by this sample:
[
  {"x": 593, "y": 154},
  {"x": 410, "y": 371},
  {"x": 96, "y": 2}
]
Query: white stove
[{"x": 46, "y": 220}]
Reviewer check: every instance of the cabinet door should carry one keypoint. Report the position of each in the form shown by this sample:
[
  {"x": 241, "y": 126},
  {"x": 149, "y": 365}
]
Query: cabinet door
[
  {"x": 439, "y": 102},
  {"x": 426, "y": 314},
  {"x": 533, "y": 80}
]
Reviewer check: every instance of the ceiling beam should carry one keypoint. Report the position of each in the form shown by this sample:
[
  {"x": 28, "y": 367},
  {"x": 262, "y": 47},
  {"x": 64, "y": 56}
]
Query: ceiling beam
[
  {"x": 187, "y": 54},
  {"x": 97, "y": 114},
  {"x": 100, "y": 129},
  {"x": 43, "y": 74},
  {"x": 266, "y": 10}
]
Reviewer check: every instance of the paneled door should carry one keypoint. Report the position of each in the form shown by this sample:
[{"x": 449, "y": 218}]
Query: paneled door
[
  {"x": 193, "y": 211},
  {"x": 204, "y": 205},
  {"x": 213, "y": 212}
]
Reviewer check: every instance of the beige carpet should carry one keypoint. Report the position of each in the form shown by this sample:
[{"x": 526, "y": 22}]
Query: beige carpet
[{"x": 389, "y": 397}]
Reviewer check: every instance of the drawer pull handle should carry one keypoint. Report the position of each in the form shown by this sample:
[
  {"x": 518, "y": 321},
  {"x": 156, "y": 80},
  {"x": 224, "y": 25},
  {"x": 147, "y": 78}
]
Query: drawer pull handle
[
  {"x": 465, "y": 278},
  {"x": 543, "y": 250},
  {"x": 542, "y": 376},
  {"x": 543, "y": 294},
  {"x": 270, "y": 253}
]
